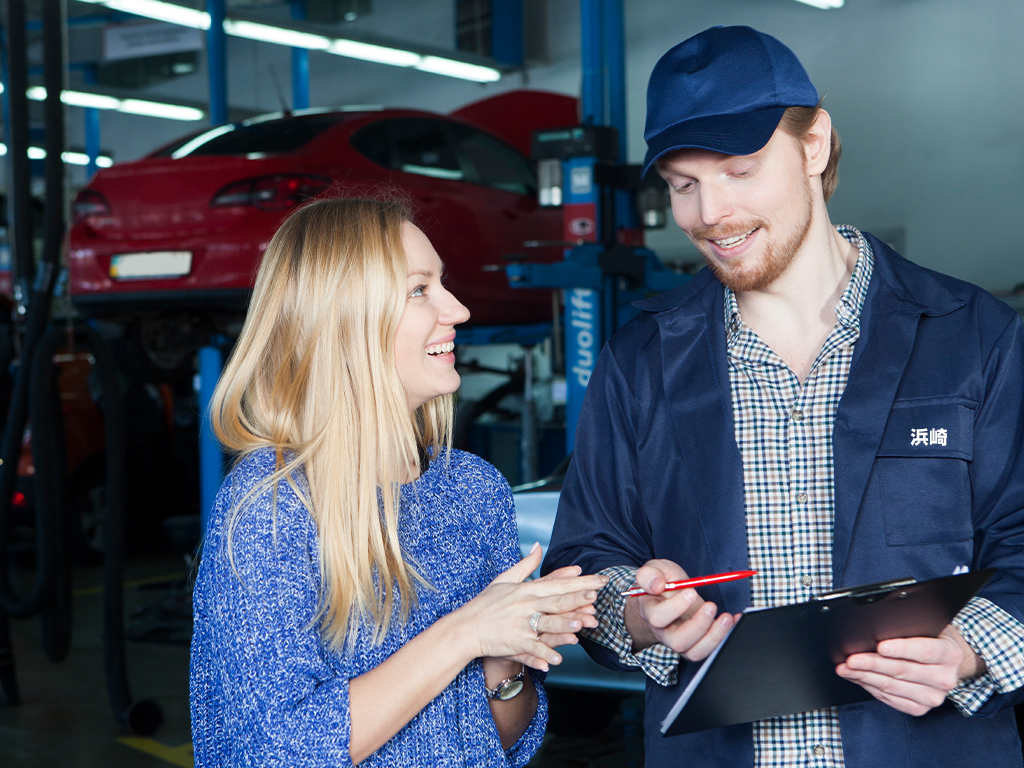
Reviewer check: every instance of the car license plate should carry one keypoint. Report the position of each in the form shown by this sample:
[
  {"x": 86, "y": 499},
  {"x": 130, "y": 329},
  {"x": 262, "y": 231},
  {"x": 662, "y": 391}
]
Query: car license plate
[{"x": 156, "y": 264}]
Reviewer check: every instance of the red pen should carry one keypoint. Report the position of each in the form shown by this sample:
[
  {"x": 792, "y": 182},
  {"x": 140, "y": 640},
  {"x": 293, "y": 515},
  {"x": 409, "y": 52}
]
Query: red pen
[{"x": 699, "y": 581}]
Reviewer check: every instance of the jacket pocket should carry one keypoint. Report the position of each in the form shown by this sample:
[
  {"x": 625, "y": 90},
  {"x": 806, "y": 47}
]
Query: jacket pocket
[{"x": 922, "y": 467}]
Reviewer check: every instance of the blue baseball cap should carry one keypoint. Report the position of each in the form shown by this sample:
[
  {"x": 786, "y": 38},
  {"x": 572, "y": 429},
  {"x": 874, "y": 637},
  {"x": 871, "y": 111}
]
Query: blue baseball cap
[{"x": 725, "y": 90}]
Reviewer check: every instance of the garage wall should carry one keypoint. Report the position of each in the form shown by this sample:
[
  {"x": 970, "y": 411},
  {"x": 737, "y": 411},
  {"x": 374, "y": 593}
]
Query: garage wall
[{"x": 928, "y": 96}]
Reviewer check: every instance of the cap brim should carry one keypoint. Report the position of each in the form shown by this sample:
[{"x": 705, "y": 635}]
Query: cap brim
[{"x": 742, "y": 134}]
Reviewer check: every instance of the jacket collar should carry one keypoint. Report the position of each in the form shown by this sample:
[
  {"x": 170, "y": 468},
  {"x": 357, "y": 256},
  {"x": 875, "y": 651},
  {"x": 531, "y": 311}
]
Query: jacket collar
[{"x": 907, "y": 281}]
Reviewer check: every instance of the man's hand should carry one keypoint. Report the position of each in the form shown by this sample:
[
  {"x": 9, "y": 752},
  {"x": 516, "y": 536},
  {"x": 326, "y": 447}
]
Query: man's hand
[
  {"x": 914, "y": 675},
  {"x": 679, "y": 619}
]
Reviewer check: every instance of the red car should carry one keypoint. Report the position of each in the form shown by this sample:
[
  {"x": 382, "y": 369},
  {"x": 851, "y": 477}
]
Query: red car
[{"x": 182, "y": 230}]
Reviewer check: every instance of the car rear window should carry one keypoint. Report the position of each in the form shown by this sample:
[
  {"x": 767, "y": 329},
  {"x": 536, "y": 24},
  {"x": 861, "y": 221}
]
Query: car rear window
[
  {"x": 493, "y": 163},
  {"x": 411, "y": 144},
  {"x": 280, "y": 135}
]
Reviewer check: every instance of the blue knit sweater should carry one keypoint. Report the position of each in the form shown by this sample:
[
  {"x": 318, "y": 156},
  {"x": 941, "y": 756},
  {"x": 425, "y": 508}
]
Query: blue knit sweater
[{"x": 267, "y": 691}]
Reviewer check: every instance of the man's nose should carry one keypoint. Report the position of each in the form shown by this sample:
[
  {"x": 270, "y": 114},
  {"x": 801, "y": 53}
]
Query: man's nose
[{"x": 715, "y": 203}]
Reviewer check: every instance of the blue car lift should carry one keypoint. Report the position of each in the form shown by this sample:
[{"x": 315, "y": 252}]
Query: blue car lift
[{"x": 602, "y": 272}]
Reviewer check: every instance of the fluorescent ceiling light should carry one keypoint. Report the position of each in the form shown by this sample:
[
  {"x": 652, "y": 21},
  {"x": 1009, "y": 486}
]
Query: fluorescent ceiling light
[
  {"x": 94, "y": 100},
  {"x": 459, "y": 69},
  {"x": 155, "y": 9},
  {"x": 268, "y": 33},
  {"x": 72, "y": 158},
  {"x": 157, "y": 109},
  {"x": 80, "y": 158},
  {"x": 277, "y": 35},
  {"x": 130, "y": 106},
  {"x": 826, "y": 4},
  {"x": 377, "y": 53}
]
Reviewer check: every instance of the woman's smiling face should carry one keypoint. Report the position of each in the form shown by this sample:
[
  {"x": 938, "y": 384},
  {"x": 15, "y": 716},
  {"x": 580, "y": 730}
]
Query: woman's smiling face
[{"x": 425, "y": 343}]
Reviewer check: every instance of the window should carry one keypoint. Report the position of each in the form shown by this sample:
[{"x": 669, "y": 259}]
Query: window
[
  {"x": 372, "y": 141},
  {"x": 279, "y": 135},
  {"x": 492, "y": 163},
  {"x": 420, "y": 146},
  {"x": 473, "y": 26}
]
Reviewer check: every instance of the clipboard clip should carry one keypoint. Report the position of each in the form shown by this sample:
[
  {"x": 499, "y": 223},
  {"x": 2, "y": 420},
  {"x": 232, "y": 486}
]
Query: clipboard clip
[{"x": 866, "y": 593}]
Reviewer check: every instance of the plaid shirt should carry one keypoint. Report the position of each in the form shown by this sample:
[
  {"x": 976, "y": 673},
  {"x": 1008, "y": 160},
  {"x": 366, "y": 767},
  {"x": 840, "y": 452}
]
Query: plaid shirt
[{"x": 784, "y": 432}]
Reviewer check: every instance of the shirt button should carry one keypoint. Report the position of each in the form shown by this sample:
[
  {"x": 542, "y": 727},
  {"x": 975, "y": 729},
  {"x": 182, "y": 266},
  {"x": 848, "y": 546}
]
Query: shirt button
[
  {"x": 798, "y": 415},
  {"x": 819, "y": 751},
  {"x": 802, "y": 498},
  {"x": 806, "y": 581}
]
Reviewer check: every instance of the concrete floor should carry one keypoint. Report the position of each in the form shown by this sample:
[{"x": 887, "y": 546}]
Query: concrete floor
[{"x": 65, "y": 718}]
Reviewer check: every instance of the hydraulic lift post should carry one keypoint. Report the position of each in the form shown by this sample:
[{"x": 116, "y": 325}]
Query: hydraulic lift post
[
  {"x": 211, "y": 457},
  {"x": 605, "y": 267}
]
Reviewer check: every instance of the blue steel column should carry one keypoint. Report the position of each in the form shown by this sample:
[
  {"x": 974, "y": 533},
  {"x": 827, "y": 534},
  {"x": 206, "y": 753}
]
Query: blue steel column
[
  {"x": 300, "y": 63},
  {"x": 92, "y": 126},
  {"x": 211, "y": 458},
  {"x": 593, "y": 62},
  {"x": 216, "y": 62},
  {"x": 614, "y": 24},
  {"x": 507, "y": 32}
]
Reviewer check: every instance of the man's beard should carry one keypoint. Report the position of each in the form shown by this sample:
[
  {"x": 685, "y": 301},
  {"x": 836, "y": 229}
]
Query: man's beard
[{"x": 777, "y": 256}]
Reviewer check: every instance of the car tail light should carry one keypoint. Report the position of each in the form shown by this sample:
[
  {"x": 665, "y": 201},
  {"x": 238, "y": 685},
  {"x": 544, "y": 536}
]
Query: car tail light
[
  {"x": 89, "y": 202},
  {"x": 271, "y": 193}
]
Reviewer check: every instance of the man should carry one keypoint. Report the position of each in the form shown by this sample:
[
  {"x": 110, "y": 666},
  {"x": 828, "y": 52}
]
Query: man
[{"x": 813, "y": 407}]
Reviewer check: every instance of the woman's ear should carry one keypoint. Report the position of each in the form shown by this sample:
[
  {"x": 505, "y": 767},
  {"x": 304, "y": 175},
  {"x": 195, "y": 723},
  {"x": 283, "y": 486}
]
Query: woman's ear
[{"x": 818, "y": 144}]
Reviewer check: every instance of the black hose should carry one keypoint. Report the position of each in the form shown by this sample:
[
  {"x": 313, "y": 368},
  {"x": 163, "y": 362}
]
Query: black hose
[
  {"x": 20, "y": 196},
  {"x": 142, "y": 717},
  {"x": 49, "y": 454},
  {"x": 56, "y": 613},
  {"x": 45, "y": 277}
]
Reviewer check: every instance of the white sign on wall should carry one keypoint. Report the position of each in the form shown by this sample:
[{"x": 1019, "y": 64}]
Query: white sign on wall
[{"x": 132, "y": 41}]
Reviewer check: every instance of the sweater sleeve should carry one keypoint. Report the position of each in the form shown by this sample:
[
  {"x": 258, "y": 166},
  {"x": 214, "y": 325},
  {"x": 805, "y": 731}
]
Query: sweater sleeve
[
  {"x": 507, "y": 554},
  {"x": 280, "y": 698}
]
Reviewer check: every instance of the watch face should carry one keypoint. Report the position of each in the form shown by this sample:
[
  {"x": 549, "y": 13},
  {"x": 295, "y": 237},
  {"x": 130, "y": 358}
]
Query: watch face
[{"x": 509, "y": 689}]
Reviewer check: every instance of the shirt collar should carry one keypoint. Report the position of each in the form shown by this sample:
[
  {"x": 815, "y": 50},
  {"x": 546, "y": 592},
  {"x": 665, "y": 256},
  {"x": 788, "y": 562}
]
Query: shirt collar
[{"x": 850, "y": 304}]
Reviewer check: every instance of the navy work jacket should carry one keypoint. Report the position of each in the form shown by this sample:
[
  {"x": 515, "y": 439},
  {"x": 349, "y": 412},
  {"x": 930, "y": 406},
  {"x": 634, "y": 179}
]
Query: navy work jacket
[{"x": 657, "y": 474}]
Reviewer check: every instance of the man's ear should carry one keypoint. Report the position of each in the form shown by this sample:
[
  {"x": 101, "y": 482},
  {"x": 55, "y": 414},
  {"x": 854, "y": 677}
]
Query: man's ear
[{"x": 818, "y": 144}]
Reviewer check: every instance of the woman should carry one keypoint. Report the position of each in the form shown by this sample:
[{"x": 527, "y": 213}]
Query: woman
[{"x": 361, "y": 595}]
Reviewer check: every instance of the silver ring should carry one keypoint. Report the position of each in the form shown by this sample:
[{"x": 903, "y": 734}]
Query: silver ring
[{"x": 535, "y": 622}]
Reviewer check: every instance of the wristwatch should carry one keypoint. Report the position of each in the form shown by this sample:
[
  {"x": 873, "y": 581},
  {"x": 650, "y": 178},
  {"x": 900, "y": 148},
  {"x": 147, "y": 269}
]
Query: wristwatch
[{"x": 508, "y": 688}]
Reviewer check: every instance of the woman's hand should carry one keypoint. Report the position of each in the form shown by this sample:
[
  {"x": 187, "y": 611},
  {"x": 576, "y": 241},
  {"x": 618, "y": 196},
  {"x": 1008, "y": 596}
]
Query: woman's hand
[
  {"x": 497, "y": 621},
  {"x": 583, "y": 617}
]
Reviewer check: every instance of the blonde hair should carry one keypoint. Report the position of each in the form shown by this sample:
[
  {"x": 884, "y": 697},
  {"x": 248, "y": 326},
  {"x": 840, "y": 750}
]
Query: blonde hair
[{"x": 313, "y": 376}]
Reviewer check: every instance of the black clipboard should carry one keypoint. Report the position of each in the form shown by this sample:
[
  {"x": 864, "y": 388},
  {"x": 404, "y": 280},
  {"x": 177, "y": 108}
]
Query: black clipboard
[{"x": 779, "y": 661}]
